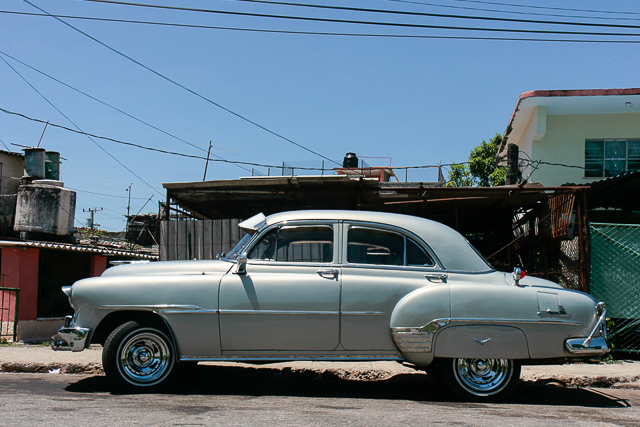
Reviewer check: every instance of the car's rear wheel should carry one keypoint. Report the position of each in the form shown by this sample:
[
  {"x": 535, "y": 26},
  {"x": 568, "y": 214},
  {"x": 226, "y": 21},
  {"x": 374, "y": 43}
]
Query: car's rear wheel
[
  {"x": 139, "y": 356},
  {"x": 481, "y": 379}
]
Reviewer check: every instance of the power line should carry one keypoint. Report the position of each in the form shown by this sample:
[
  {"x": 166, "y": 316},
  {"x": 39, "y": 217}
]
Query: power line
[
  {"x": 546, "y": 7},
  {"x": 5, "y": 145},
  {"x": 105, "y": 195},
  {"x": 76, "y": 126},
  {"x": 112, "y": 107},
  {"x": 377, "y": 11},
  {"x": 620, "y": 18},
  {"x": 198, "y": 157},
  {"x": 142, "y": 146},
  {"x": 343, "y": 34},
  {"x": 162, "y": 76}
]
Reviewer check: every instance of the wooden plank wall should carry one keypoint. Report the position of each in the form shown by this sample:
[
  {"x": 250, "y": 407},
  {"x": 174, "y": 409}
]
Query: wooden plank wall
[{"x": 195, "y": 239}]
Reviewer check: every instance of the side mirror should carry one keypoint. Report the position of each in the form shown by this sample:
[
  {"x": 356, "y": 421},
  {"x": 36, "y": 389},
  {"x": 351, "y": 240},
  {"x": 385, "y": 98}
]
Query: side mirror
[{"x": 241, "y": 263}]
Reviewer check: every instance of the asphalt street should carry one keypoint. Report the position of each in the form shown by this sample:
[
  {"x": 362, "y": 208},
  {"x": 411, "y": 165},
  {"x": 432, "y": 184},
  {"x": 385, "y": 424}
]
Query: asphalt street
[{"x": 236, "y": 396}]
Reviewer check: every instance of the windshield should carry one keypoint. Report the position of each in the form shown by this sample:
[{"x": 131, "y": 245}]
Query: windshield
[{"x": 238, "y": 248}]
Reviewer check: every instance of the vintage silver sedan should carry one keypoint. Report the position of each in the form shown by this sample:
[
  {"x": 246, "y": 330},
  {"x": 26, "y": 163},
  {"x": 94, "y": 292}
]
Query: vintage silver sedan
[{"x": 334, "y": 285}]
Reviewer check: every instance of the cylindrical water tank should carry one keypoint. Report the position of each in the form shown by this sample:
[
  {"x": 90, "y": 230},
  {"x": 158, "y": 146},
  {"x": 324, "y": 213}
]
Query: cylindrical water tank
[
  {"x": 45, "y": 207},
  {"x": 52, "y": 165},
  {"x": 34, "y": 162},
  {"x": 350, "y": 161}
]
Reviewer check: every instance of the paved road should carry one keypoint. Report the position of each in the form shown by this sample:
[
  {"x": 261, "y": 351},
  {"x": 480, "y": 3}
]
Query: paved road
[{"x": 232, "y": 396}]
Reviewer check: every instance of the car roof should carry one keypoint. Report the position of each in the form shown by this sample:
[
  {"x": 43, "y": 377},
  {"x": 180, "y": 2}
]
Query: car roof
[{"x": 453, "y": 249}]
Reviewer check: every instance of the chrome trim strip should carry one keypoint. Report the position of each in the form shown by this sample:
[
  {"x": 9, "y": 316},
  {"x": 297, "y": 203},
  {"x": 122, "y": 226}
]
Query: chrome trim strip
[
  {"x": 395, "y": 357},
  {"x": 271, "y": 263},
  {"x": 519, "y": 321},
  {"x": 363, "y": 313},
  {"x": 281, "y": 312},
  {"x": 395, "y": 267},
  {"x": 160, "y": 308}
]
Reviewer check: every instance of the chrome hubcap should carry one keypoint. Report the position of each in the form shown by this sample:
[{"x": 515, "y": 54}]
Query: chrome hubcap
[
  {"x": 483, "y": 377},
  {"x": 145, "y": 357}
]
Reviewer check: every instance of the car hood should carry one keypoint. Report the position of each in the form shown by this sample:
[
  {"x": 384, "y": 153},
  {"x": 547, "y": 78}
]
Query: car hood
[{"x": 168, "y": 268}]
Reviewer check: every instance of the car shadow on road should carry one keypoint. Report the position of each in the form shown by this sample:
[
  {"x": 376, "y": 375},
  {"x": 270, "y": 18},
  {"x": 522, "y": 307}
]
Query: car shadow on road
[{"x": 418, "y": 387}]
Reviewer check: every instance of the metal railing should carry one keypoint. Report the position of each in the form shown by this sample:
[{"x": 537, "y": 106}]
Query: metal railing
[
  {"x": 8, "y": 313},
  {"x": 615, "y": 279}
]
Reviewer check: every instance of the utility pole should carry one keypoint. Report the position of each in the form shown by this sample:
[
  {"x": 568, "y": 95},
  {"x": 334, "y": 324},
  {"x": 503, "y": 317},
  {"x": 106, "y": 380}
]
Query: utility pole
[
  {"x": 90, "y": 222},
  {"x": 513, "y": 172},
  {"x": 206, "y": 165},
  {"x": 129, "y": 204}
]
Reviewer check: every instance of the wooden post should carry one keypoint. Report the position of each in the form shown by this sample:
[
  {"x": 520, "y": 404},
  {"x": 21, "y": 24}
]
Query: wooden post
[{"x": 583, "y": 244}]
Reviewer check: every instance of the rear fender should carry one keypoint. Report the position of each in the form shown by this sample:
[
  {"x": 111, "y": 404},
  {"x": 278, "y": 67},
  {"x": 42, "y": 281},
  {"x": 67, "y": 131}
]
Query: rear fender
[
  {"x": 481, "y": 342},
  {"x": 417, "y": 318}
]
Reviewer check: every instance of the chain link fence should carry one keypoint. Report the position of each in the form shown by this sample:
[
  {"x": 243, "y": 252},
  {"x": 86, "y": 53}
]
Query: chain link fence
[{"x": 615, "y": 279}]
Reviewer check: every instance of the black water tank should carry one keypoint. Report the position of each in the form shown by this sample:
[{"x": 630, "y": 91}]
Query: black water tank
[{"x": 350, "y": 161}]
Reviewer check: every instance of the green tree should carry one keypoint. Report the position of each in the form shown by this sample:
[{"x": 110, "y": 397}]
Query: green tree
[{"x": 481, "y": 171}]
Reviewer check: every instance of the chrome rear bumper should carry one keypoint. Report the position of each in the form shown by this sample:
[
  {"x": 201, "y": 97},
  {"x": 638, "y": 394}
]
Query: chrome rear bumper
[{"x": 597, "y": 346}]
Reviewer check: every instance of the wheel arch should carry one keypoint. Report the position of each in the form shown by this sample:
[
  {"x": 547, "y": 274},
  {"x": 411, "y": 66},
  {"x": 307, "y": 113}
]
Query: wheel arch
[{"x": 116, "y": 318}]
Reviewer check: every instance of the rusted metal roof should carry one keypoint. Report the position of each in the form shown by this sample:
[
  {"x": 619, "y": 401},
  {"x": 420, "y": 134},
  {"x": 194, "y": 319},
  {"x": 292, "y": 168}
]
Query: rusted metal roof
[
  {"x": 619, "y": 192},
  {"x": 461, "y": 208}
]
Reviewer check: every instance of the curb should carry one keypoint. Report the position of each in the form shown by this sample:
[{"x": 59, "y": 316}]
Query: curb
[
  {"x": 51, "y": 368},
  {"x": 614, "y": 382}
]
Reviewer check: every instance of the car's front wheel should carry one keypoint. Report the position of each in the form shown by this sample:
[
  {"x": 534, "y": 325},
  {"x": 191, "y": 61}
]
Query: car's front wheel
[
  {"x": 481, "y": 379},
  {"x": 139, "y": 356}
]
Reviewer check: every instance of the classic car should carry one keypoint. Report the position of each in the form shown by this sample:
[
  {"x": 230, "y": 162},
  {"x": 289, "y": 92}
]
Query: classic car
[{"x": 339, "y": 286}]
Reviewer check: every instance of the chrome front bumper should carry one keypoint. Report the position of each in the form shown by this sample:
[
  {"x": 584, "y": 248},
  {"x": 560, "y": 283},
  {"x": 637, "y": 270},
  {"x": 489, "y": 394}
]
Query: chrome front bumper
[{"x": 70, "y": 338}]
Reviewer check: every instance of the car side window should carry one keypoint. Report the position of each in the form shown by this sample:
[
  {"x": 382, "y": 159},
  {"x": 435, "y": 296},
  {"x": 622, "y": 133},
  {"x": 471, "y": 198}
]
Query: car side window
[
  {"x": 417, "y": 256},
  {"x": 369, "y": 246},
  {"x": 295, "y": 244},
  {"x": 265, "y": 248},
  {"x": 382, "y": 247}
]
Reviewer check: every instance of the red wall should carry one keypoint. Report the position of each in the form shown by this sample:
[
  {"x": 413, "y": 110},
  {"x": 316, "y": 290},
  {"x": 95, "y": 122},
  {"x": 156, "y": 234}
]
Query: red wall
[
  {"x": 20, "y": 267},
  {"x": 98, "y": 265}
]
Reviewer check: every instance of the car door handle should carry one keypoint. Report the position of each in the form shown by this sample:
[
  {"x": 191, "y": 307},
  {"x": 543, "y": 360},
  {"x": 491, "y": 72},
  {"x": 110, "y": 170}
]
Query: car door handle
[
  {"x": 436, "y": 278},
  {"x": 328, "y": 274}
]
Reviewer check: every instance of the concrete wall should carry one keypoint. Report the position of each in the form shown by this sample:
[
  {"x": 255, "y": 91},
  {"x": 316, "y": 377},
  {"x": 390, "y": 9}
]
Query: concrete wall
[
  {"x": 38, "y": 330},
  {"x": 10, "y": 167},
  {"x": 564, "y": 142}
]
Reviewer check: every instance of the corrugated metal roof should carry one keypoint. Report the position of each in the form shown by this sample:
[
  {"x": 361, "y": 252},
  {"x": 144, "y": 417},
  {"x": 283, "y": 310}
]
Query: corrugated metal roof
[
  {"x": 465, "y": 209},
  {"x": 619, "y": 191},
  {"x": 76, "y": 248},
  {"x": 11, "y": 153}
]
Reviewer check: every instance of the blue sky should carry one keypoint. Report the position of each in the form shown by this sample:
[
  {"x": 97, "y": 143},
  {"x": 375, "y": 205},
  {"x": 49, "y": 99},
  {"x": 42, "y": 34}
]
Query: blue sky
[{"x": 417, "y": 101}]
